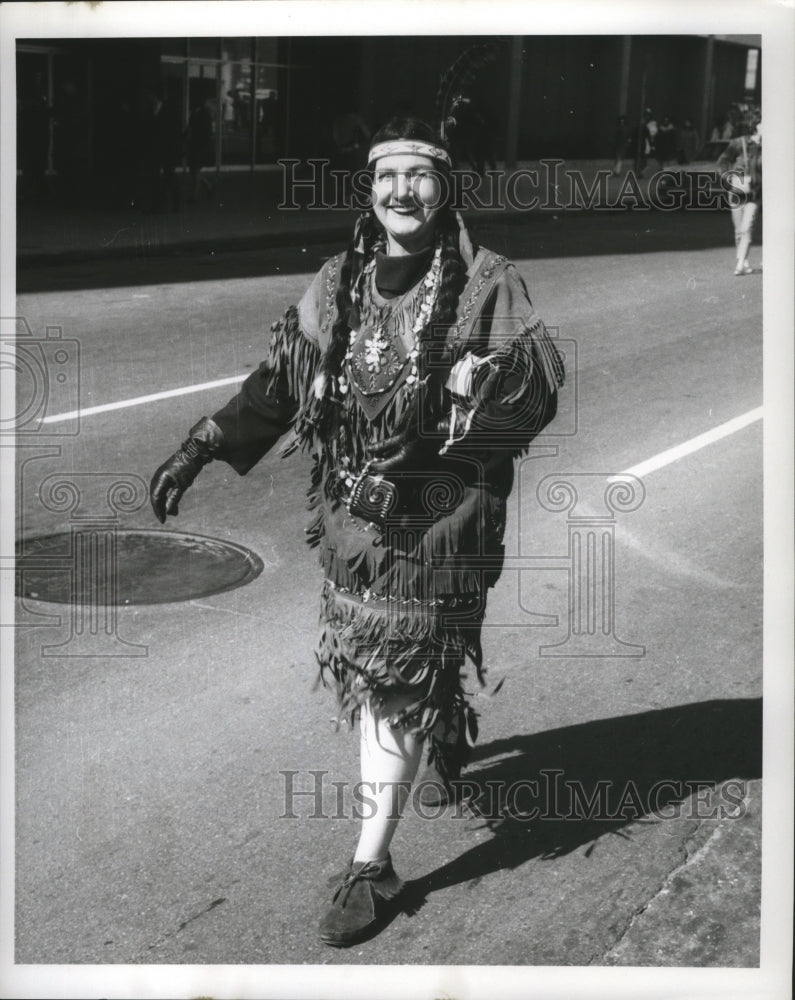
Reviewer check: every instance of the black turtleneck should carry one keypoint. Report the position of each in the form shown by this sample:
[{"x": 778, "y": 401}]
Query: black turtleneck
[{"x": 396, "y": 275}]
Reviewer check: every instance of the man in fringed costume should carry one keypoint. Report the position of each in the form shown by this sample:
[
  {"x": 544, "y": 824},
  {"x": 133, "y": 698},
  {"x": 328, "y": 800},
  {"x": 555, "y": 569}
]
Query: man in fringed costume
[{"x": 415, "y": 370}]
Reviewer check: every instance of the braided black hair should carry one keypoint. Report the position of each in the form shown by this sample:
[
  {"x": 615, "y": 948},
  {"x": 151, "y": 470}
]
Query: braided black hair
[{"x": 432, "y": 363}]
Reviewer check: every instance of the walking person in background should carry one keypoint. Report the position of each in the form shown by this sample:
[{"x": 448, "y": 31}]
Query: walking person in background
[
  {"x": 688, "y": 142},
  {"x": 652, "y": 128},
  {"x": 622, "y": 141},
  {"x": 666, "y": 143},
  {"x": 642, "y": 144},
  {"x": 414, "y": 369},
  {"x": 743, "y": 157},
  {"x": 200, "y": 149}
]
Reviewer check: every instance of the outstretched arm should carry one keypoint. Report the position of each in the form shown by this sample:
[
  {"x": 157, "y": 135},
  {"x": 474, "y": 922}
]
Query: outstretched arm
[
  {"x": 244, "y": 430},
  {"x": 268, "y": 401}
]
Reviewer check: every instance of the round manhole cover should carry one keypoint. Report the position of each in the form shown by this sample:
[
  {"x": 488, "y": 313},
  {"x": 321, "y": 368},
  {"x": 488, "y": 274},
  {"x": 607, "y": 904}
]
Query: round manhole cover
[{"x": 130, "y": 567}]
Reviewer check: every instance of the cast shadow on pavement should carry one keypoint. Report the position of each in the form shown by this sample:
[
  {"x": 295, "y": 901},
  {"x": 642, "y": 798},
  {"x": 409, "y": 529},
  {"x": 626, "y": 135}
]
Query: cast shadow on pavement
[{"x": 647, "y": 766}]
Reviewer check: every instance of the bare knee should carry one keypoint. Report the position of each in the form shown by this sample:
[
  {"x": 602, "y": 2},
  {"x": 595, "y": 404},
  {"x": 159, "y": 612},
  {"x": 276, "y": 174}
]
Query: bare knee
[{"x": 381, "y": 722}]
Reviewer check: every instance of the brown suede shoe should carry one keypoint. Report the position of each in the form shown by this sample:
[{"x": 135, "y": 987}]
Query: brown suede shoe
[{"x": 361, "y": 902}]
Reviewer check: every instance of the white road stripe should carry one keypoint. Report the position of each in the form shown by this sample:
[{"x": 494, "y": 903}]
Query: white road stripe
[
  {"x": 694, "y": 444},
  {"x": 659, "y": 461},
  {"x": 138, "y": 400}
]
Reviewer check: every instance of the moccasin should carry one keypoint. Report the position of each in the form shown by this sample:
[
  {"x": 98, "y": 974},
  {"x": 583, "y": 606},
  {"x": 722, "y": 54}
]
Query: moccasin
[{"x": 362, "y": 901}]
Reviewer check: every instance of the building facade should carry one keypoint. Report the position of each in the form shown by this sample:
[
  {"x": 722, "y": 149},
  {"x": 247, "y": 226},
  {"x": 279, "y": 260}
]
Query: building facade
[{"x": 543, "y": 96}]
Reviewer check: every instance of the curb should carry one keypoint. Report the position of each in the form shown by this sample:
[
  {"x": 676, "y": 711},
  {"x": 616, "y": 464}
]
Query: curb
[
  {"x": 225, "y": 244},
  {"x": 262, "y": 241}
]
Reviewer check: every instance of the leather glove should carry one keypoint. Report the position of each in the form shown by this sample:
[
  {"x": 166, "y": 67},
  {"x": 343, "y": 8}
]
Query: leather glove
[{"x": 177, "y": 473}]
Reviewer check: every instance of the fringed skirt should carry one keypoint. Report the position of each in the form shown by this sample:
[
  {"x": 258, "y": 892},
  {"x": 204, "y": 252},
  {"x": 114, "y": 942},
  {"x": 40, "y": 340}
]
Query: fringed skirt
[{"x": 374, "y": 648}]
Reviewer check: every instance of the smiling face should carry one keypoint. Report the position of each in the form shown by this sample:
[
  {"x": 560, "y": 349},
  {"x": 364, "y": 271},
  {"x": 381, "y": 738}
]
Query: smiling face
[{"x": 406, "y": 200}]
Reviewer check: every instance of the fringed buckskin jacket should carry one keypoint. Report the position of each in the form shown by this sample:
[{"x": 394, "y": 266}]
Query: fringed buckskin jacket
[{"x": 402, "y": 605}]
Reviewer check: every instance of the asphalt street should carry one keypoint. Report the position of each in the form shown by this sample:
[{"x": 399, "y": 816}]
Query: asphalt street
[{"x": 152, "y": 795}]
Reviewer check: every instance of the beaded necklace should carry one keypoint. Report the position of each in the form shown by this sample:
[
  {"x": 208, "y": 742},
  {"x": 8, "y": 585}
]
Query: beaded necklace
[{"x": 378, "y": 345}]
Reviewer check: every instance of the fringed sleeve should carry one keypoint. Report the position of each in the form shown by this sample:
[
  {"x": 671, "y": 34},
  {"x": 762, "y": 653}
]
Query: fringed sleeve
[
  {"x": 510, "y": 394},
  {"x": 268, "y": 401},
  {"x": 272, "y": 396}
]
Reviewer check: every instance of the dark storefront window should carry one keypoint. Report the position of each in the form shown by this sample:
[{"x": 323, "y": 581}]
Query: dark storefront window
[
  {"x": 236, "y": 49},
  {"x": 203, "y": 48},
  {"x": 243, "y": 83},
  {"x": 174, "y": 46},
  {"x": 203, "y": 90},
  {"x": 269, "y": 115},
  {"x": 202, "y": 83},
  {"x": 236, "y": 112},
  {"x": 267, "y": 50},
  {"x": 34, "y": 119},
  {"x": 174, "y": 86},
  {"x": 751, "y": 70}
]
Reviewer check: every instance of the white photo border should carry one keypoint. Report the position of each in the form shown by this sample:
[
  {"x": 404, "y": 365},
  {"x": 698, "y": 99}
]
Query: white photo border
[{"x": 774, "y": 21}]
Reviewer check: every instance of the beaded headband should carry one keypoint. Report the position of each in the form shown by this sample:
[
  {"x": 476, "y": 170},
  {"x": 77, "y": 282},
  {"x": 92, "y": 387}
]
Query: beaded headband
[{"x": 396, "y": 146}]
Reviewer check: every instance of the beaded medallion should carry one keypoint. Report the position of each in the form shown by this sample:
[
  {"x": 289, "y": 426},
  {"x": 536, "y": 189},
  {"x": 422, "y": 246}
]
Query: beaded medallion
[{"x": 378, "y": 362}]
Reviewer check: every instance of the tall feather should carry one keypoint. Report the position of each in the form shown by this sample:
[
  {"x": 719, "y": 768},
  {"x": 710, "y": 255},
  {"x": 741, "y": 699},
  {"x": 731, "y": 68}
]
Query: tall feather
[{"x": 458, "y": 76}]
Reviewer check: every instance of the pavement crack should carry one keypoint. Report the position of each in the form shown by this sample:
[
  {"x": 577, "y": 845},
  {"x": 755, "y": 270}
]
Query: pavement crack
[
  {"x": 211, "y": 906},
  {"x": 692, "y": 848},
  {"x": 168, "y": 936}
]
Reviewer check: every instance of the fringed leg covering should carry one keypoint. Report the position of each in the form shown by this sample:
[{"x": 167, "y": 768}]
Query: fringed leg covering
[{"x": 375, "y": 648}]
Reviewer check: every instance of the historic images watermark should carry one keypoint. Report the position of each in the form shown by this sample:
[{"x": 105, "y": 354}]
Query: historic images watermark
[
  {"x": 551, "y": 796},
  {"x": 592, "y": 502},
  {"x": 44, "y": 419},
  {"x": 87, "y": 556},
  {"x": 47, "y": 370},
  {"x": 550, "y": 185},
  {"x": 85, "y": 551}
]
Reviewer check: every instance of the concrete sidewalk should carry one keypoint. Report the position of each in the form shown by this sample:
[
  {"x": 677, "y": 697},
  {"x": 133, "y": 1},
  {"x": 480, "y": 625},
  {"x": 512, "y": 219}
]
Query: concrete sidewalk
[{"x": 244, "y": 213}]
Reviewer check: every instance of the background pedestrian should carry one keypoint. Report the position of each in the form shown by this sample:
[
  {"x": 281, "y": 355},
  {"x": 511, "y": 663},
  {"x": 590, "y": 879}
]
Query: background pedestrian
[
  {"x": 688, "y": 142},
  {"x": 200, "y": 148},
  {"x": 666, "y": 143},
  {"x": 743, "y": 156},
  {"x": 622, "y": 143}
]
